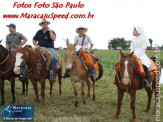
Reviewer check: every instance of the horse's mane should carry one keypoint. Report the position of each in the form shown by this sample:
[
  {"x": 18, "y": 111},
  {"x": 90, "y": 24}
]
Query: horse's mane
[{"x": 4, "y": 50}]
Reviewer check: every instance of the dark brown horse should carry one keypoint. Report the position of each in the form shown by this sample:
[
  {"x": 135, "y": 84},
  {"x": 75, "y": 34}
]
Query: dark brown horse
[
  {"x": 78, "y": 72},
  {"x": 6, "y": 72},
  {"x": 128, "y": 80},
  {"x": 36, "y": 69}
]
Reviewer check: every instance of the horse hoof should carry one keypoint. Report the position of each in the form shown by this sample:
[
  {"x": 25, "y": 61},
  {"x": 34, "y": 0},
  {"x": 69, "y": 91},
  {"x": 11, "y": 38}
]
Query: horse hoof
[
  {"x": 76, "y": 104},
  {"x": 154, "y": 112},
  {"x": 146, "y": 110},
  {"x": 116, "y": 117},
  {"x": 37, "y": 101},
  {"x": 133, "y": 120},
  {"x": 94, "y": 97},
  {"x": 43, "y": 107},
  {"x": 60, "y": 93},
  {"x": 84, "y": 103}
]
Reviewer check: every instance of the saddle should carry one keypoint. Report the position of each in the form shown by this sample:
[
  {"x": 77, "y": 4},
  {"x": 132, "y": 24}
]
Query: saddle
[
  {"x": 139, "y": 66},
  {"x": 47, "y": 56},
  {"x": 84, "y": 56}
]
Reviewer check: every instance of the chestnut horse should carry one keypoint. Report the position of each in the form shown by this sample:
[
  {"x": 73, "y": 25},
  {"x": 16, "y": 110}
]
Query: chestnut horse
[
  {"x": 6, "y": 72},
  {"x": 127, "y": 80},
  {"x": 77, "y": 72},
  {"x": 36, "y": 69}
]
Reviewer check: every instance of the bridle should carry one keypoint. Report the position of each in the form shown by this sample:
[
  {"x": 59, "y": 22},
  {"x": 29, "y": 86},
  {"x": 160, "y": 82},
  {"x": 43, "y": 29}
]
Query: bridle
[
  {"x": 74, "y": 54},
  {"x": 133, "y": 67},
  {"x": 24, "y": 66}
]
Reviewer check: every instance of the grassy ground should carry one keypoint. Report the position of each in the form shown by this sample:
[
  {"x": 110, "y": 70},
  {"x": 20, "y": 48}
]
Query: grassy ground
[{"x": 61, "y": 108}]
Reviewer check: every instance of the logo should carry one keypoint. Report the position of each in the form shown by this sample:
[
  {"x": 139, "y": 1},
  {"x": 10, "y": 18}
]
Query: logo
[{"x": 17, "y": 112}]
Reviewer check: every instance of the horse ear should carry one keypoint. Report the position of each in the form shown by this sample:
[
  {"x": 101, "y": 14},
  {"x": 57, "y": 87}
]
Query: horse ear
[
  {"x": 67, "y": 42},
  {"x": 131, "y": 54},
  {"x": 15, "y": 46},
  {"x": 76, "y": 43},
  {"x": 121, "y": 52}
]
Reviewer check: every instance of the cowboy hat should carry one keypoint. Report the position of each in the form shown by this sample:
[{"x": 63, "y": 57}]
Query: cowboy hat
[
  {"x": 81, "y": 27},
  {"x": 43, "y": 21}
]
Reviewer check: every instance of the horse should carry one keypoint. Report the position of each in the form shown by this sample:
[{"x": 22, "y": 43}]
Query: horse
[
  {"x": 36, "y": 69},
  {"x": 78, "y": 72},
  {"x": 6, "y": 72},
  {"x": 127, "y": 80}
]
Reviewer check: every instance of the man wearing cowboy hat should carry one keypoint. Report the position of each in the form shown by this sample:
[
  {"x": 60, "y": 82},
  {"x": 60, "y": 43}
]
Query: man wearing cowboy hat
[
  {"x": 83, "y": 42},
  {"x": 45, "y": 38},
  {"x": 14, "y": 38},
  {"x": 81, "y": 30}
]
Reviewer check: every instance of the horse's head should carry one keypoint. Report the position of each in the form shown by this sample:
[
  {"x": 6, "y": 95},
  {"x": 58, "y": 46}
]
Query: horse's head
[
  {"x": 70, "y": 54},
  {"x": 126, "y": 67},
  {"x": 20, "y": 56}
]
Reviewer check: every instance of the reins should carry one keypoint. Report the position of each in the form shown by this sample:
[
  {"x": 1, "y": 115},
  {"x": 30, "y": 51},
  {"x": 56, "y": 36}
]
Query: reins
[{"x": 5, "y": 59}]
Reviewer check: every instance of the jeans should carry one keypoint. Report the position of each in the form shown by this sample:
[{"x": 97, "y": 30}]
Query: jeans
[
  {"x": 92, "y": 67},
  {"x": 53, "y": 63}
]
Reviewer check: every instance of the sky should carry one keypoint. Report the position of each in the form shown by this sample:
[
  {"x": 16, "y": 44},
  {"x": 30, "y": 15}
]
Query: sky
[{"x": 112, "y": 18}]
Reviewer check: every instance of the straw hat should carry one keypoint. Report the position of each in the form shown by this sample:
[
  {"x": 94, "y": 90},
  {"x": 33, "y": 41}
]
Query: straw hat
[
  {"x": 43, "y": 21},
  {"x": 81, "y": 27}
]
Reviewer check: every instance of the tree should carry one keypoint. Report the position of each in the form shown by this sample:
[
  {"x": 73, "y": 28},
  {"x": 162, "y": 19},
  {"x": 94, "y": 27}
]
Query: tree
[
  {"x": 150, "y": 41},
  {"x": 119, "y": 42}
]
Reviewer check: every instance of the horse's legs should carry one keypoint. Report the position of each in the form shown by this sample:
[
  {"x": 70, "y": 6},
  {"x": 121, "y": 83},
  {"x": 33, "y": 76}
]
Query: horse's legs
[
  {"x": 93, "y": 90},
  {"x": 13, "y": 89},
  {"x": 75, "y": 92},
  {"x": 60, "y": 80},
  {"x": 51, "y": 87},
  {"x": 26, "y": 91},
  {"x": 2, "y": 91},
  {"x": 132, "y": 104},
  {"x": 43, "y": 92},
  {"x": 23, "y": 86},
  {"x": 119, "y": 103},
  {"x": 36, "y": 90},
  {"x": 82, "y": 91},
  {"x": 89, "y": 86},
  {"x": 149, "y": 93}
]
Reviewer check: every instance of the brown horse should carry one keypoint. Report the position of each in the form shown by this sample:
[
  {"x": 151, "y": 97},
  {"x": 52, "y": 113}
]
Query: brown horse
[
  {"x": 127, "y": 80},
  {"x": 36, "y": 69},
  {"x": 77, "y": 72},
  {"x": 6, "y": 72}
]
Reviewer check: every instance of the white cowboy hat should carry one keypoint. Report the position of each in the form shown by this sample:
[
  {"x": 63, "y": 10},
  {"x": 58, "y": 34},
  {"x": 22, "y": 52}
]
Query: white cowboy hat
[
  {"x": 81, "y": 27},
  {"x": 43, "y": 21}
]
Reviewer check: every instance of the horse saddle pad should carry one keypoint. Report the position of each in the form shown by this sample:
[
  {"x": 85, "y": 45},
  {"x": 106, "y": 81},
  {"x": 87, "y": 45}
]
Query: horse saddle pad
[{"x": 47, "y": 56}]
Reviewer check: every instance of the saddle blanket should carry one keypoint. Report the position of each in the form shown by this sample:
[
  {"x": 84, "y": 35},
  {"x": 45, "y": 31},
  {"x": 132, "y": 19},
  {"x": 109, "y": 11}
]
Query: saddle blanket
[{"x": 47, "y": 56}]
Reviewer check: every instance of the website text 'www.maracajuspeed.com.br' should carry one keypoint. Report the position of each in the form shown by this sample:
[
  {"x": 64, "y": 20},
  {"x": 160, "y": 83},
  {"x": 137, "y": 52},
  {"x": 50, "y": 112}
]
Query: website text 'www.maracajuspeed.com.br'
[{"x": 52, "y": 16}]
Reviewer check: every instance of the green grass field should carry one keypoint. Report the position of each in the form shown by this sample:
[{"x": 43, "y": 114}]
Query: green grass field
[{"x": 61, "y": 108}]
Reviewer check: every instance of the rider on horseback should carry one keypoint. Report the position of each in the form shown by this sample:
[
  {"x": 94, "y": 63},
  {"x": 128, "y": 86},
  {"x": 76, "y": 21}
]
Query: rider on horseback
[
  {"x": 84, "y": 41},
  {"x": 139, "y": 45},
  {"x": 14, "y": 38},
  {"x": 45, "y": 38}
]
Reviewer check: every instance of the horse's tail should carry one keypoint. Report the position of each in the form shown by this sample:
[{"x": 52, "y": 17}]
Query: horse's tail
[{"x": 100, "y": 71}]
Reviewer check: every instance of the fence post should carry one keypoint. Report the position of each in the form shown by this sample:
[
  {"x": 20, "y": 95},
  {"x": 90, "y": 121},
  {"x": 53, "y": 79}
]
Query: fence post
[{"x": 111, "y": 65}]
